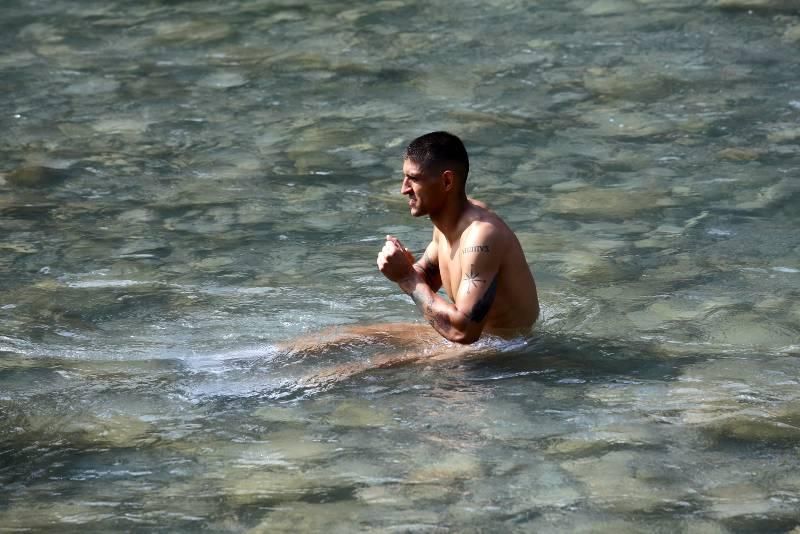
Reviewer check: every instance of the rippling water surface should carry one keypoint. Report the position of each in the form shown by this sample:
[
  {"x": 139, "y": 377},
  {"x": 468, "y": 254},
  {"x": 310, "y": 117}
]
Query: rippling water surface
[{"x": 186, "y": 186}]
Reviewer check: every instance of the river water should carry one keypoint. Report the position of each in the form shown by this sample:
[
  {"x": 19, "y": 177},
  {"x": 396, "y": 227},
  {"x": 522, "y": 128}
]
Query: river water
[{"x": 185, "y": 186}]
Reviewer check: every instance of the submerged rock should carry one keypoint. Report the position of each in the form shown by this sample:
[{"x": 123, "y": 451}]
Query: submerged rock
[
  {"x": 121, "y": 126},
  {"x": 792, "y": 34},
  {"x": 752, "y": 427},
  {"x": 739, "y": 154},
  {"x": 223, "y": 80},
  {"x": 790, "y": 6},
  {"x": 192, "y": 31},
  {"x": 607, "y": 203},
  {"x": 36, "y": 176},
  {"x": 737, "y": 500},
  {"x": 121, "y": 430},
  {"x": 353, "y": 414},
  {"x": 339, "y": 516},
  {"x": 452, "y": 467},
  {"x": 252, "y": 486},
  {"x": 629, "y": 482},
  {"x": 616, "y": 123},
  {"x": 784, "y": 135},
  {"x": 631, "y": 83},
  {"x": 92, "y": 86},
  {"x": 610, "y": 7}
]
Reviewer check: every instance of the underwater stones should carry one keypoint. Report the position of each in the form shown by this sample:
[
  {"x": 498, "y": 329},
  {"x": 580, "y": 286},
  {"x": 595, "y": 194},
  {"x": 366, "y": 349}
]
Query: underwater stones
[
  {"x": 746, "y": 329},
  {"x": 661, "y": 313},
  {"x": 313, "y": 148},
  {"x": 769, "y": 196},
  {"x": 16, "y": 59},
  {"x": 334, "y": 517},
  {"x": 628, "y": 482},
  {"x": 355, "y": 414},
  {"x": 61, "y": 516},
  {"x": 197, "y": 31},
  {"x": 584, "y": 265},
  {"x": 137, "y": 216},
  {"x": 610, "y": 7},
  {"x": 626, "y": 82},
  {"x": 223, "y": 80},
  {"x": 40, "y": 32},
  {"x": 143, "y": 247},
  {"x": 250, "y": 486},
  {"x": 36, "y": 176},
  {"x": 121, "y": 126},
  {"x": 568, "y": 186},
  {"x": 604, "y": 440},
  {"x": 452, "y": 86},
  {"x": 19, "y": 248},
  {"x": 621, "y": 124},
  {"x": 738, "y": 500},
  {"x": 92, "y": 86},
  {"x": 792, "y": 34},
  {"x": 384, "y": 495},
  {"x": 752, "y": 426},
  {"x": 784, "y": 134},
  {"x": 527, "y": 490},
  {"x": 607, "y": 203},
  {"x": 281, "y": 414},
  {"x": 756, "y": 5},
  {"x": 120, "y": 430},
  {"x": 294, "y": 445},
  {"x": 448, "y": 468},
  {"x": 739, "y": 154}
]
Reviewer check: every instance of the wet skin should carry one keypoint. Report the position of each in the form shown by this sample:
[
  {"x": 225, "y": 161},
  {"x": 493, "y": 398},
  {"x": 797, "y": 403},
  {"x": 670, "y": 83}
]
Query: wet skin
[{"x": 473, "y": 255}]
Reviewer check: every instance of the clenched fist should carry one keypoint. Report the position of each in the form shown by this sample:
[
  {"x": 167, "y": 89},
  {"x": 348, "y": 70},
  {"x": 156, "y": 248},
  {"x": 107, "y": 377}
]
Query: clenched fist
[{"x": 395, "y": 261}]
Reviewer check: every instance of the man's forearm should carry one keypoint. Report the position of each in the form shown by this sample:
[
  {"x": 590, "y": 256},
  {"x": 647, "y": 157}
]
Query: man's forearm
[{"x": 444, "y": 317}]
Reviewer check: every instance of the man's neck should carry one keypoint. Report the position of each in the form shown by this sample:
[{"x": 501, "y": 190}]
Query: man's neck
[{"x": 448, "y": 221}]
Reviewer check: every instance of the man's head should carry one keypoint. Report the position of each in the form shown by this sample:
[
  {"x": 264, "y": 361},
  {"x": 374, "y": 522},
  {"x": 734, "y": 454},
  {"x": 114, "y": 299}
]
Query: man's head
[{"x": 435, "y": 168}]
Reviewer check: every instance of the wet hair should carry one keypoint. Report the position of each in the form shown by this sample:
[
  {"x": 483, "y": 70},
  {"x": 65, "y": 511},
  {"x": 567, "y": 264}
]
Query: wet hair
[{"x": 439, "y": 151}]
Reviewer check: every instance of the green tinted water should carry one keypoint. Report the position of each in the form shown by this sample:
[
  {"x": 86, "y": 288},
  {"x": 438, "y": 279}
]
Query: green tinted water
[{"x": 185, "y": 184}]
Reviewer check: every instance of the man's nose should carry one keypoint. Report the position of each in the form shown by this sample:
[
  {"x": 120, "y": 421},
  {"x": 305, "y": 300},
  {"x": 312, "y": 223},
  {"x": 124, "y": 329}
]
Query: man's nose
[{"x": 405, "y": 188}]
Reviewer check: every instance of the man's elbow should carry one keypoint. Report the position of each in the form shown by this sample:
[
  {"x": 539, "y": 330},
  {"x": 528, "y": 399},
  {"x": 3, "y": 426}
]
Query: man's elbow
[{"x": 464, "y": 337}]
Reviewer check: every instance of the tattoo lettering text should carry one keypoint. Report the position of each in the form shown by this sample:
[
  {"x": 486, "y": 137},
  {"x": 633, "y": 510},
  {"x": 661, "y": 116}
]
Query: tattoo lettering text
[{"x": 477, "y": 248}]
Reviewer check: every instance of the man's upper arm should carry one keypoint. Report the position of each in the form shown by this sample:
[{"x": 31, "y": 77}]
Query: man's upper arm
[
  {"x": 428, "y": 265},
  {"x": 481, "y": 256}
]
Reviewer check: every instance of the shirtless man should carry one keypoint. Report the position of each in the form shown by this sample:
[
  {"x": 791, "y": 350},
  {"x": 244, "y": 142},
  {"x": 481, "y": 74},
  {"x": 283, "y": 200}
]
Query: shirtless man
[{"x": 473, "y": 254}]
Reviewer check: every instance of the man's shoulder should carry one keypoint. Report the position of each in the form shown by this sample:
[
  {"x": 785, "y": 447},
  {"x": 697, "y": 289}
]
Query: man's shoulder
[
  {"x": 485, "y": 235},
  {"x": 487, "y": 224}
]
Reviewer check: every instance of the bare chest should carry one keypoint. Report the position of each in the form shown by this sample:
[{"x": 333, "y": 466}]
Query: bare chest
[{"x": 450, "y": 267}]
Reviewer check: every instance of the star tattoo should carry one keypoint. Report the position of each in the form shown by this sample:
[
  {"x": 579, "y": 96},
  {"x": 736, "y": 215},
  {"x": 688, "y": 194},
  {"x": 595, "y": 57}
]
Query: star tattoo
[{"x": 472, "y": 278}]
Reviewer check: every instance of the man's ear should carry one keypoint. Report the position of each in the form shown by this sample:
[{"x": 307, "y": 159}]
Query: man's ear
[{"x": 448, "y": 180}]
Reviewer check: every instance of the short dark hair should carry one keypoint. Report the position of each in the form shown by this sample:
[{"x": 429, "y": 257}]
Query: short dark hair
[{"x": 438, "y": 150}]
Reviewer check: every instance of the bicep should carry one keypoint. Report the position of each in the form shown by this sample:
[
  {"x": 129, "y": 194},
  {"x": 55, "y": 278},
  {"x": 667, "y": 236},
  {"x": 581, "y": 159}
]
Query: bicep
[{"x": 480, "y": 271}]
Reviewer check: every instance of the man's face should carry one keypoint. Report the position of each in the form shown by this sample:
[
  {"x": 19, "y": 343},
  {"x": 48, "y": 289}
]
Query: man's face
[{"x": 424, "y": 190}]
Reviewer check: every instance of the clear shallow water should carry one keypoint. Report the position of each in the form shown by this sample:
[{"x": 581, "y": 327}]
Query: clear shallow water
[{"x": 184, "y": 186}]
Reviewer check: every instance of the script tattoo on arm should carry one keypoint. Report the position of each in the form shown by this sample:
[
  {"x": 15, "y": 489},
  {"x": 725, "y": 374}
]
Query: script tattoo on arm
[
  {"x": 476, "y": 249},
  {"x": 484, "y": 304}
]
